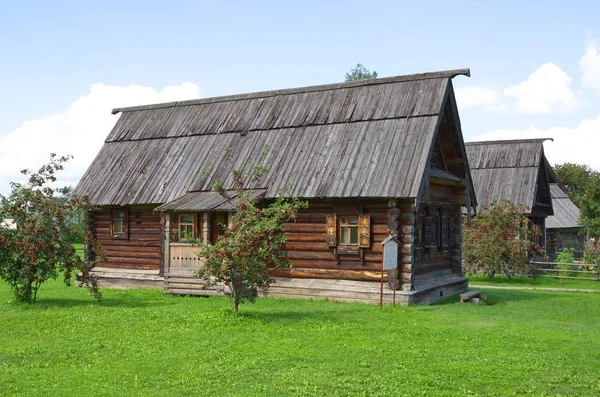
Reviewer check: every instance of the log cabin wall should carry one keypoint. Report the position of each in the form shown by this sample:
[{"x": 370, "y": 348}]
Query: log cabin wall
[
  {"x": 438, "y": 242},
  {"x": 139, "y": 248},
  {"x": 314, "y": 255}
]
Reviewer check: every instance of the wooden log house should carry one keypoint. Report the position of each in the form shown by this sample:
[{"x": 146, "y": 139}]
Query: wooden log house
[
  {"x": 514, "y": 170},
  {"x": 563, "y": 229},
  {"x": 373, "y": 158}
]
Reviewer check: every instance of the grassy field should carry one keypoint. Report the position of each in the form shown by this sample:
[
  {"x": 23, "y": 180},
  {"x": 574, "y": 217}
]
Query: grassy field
[
  {"x": 540, "y": 282},
  {"x": 141, "y": 342}
]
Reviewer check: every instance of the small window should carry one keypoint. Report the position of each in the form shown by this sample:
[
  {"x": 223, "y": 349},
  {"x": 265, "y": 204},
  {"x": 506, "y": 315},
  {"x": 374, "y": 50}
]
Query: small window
[
  {"x": 187, "y": 226},
  {"x": 349, "y": 230},
  {"x": 119, "y": 227}
]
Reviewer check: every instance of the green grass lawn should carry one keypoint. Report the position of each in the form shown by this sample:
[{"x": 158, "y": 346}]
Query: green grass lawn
[
  {"x": 143, "y": 343},
  {"x": 539, "y": 282}
]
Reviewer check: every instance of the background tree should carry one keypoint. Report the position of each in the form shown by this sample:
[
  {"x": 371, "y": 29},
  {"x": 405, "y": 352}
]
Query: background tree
[
  {"x": 574, "y": 179},
  {"x": 582, "y": 184},
  {"x": 359, "y": 72},
  {"x": 499, "y": 240},
  {"x": 251, "y": 245},
  {"x": 37, "y": 250},
  {"x": 75, "y": 231}
]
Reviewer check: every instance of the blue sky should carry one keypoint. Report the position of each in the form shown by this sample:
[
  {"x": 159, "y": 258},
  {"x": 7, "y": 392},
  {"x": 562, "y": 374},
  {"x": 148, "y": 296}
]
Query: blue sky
[{"x": 535, "y": 64}]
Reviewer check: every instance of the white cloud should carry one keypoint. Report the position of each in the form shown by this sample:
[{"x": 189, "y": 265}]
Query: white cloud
[
  {"x": 477, "y": 97},
  {"x": 590, "y": 66},
  {"x": 79, "y": 130},
  {"x": 571, "y": 144},
  {"x": 547, "y": 90}
]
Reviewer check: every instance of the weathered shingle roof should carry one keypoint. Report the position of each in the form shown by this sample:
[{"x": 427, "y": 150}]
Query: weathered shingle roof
[
  {"x": 209, "y": 201},
  {"x": 566, "y": 213},
  {"x": 369, "y": 138},
  {"x": 508, "y": 170}
]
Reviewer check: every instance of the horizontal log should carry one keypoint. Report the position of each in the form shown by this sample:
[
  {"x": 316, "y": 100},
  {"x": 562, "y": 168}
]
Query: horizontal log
[
  {"x": 343, "y": 265},
  {"x": 373, "y": 257},
  {"x": 406, "y": 216},
  {"x": 311, "y": 218},
  {"x": 128, "y": 248},
  {"x": 307, "y": 246},
  {"x": 114, "y": 265},
  {"x": 132, "y": 254},
  {"x": 115, "y": 259},
  {"x": 380, "y": 229},
  {"x": 382, "y": 207},
  {"x": 142, "y": 237},
  {"x": 305, "y": 227},
  {"x": 329, "y": 274},
  {"x": 406, "y": 238},
  {"x": 379, "y": 237},
  {"x": 424, "y": 268},
  {"x": 305, "y": 237},
  {"x": 407, "y": 229},
  {"x": 122, "y": 242},
  {"x": 309, "y": 255}
]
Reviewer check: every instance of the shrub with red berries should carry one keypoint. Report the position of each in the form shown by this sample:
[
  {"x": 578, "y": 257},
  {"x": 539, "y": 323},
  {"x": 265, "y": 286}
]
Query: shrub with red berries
[
  {"x": 35, "y": 250},
  {"x": 251, "y": 244},
  {"x": 500, "y": 240}
]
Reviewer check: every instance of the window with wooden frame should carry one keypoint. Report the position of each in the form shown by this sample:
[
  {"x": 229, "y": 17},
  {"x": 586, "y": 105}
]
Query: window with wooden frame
[
  {"x": 119, "y": 223},
  {"x": 186, "y": 226},
  {"x": 349, "y": 230}
]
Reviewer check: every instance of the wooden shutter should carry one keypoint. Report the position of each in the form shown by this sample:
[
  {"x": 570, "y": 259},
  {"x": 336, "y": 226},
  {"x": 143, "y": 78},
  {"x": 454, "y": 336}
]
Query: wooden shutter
[
  {"x": 428, "y": 231},
  {"x": 331, "y": 231},
  {"x": 445, "y": 230},
  {"x": 364, "y": 231},
  {"x": 126, "y": 221},
  {"x": 450, "y": 226}
]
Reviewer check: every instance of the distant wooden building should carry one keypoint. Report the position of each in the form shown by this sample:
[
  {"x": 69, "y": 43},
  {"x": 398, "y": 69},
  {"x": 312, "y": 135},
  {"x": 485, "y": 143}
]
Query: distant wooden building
[
  {"x": 514, "y": 170},
  {"x": 563, "y": 228},
  {"x": 374, "y": 158}
]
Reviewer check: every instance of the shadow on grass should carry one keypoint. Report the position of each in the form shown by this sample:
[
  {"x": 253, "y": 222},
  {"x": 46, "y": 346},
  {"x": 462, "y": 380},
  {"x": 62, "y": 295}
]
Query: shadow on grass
[
  {"x": 497, "y": 297},
  {"x": 111, "y": 302},
  {"x": 289, "y": 315}
]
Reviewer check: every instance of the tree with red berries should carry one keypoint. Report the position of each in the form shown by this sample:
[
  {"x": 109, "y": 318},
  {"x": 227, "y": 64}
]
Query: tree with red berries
[
  {"x": 499, "y": 241},
  {"x": 251, "y": 244},
  {"x": 36, "y": 250}
]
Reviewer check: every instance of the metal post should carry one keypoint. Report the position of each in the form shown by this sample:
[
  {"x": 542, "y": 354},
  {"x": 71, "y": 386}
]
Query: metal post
[
  {"x": 381, "y": 289},
  {"x": 395, "y": 277}
]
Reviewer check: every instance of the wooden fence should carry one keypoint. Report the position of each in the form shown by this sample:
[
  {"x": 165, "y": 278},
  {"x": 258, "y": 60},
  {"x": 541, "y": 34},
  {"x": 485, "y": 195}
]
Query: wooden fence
[{"x": 577, "y": 270}]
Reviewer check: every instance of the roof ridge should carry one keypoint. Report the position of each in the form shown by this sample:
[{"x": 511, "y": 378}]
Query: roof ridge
[
  {"x": 290, "y": 91},
  {"x": 529, "y": 140}
]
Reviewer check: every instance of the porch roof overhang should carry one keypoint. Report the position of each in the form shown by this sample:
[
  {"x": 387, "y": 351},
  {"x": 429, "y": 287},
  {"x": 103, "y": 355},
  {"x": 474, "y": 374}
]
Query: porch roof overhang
[{"x": 209, "y": 201}]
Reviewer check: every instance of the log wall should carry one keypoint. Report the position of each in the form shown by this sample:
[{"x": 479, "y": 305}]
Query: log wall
[
  {"x": 312, "y": 257},
  {"x": 432, "y": 259},
  {"x": 141, "y": 250}
]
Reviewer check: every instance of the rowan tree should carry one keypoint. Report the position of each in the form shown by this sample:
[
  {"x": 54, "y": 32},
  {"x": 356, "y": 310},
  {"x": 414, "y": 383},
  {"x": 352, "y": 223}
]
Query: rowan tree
[
  {"x": 500, "y": 240},
  {"x": 36, "y": 249},
  {"x": 251, "y": 245}
]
